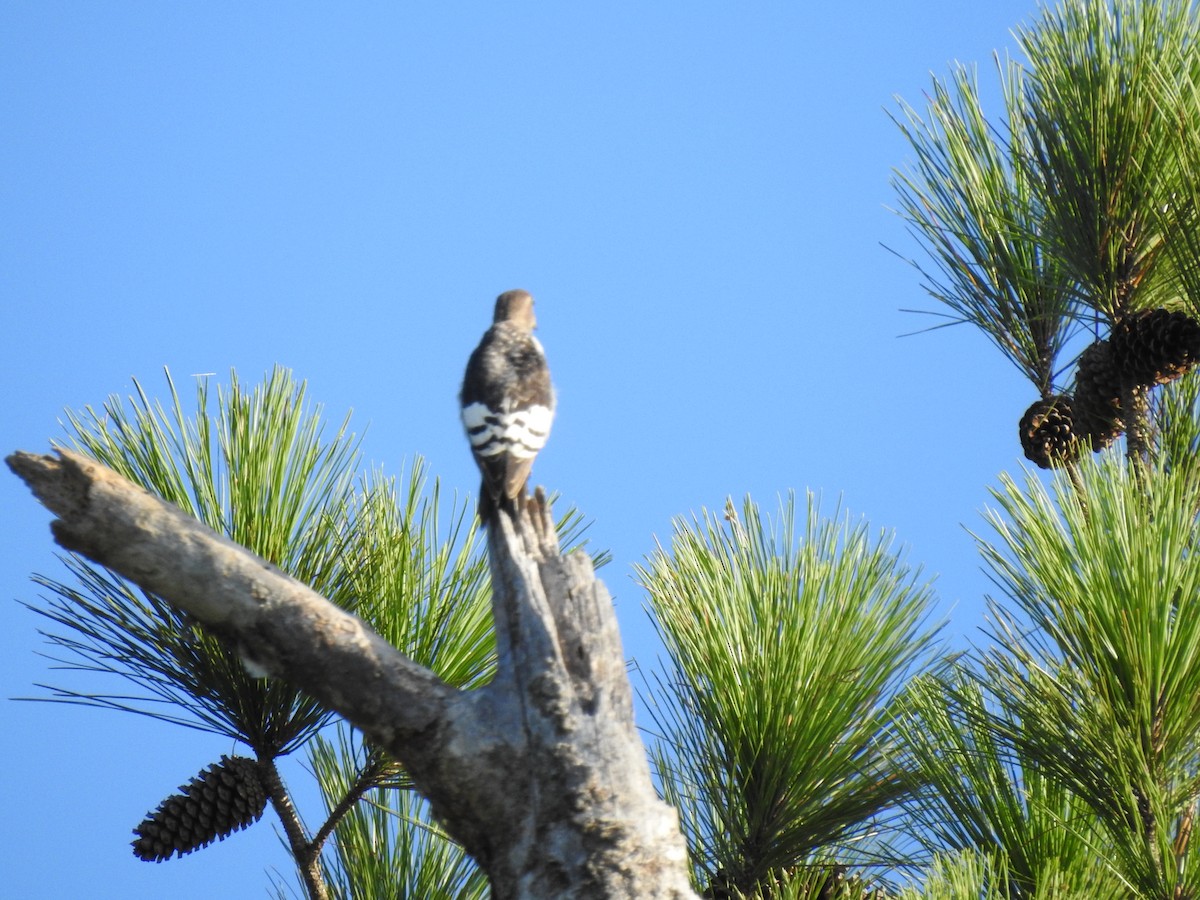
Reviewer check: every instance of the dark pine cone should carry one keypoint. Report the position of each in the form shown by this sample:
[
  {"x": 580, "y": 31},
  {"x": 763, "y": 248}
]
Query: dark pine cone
[
  {"x": 1097, "y": 400},
  {"x": 1048, "y": 432},
  {"x": 224, "y": 798},
  {"x": 1155, "y": 346}
]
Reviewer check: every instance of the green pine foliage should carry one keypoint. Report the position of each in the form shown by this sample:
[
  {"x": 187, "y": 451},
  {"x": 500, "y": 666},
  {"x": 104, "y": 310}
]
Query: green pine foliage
[
  {"x": 421, "y": 580},
  {"x": 1062, "y": 211},
  {"x": 979, "y": 808},
  {"x": 258, "y": 469},
  {"x": 963, "y": 875},
  {"x": 387, "y": 846},
  {"x": 1104, "y": 143},
  {"x": 423, "y": 584},
  {"x": 973, "y": 203},
  {"x": 787, "y": 642},
  {"x": 1104, "y": 691}
]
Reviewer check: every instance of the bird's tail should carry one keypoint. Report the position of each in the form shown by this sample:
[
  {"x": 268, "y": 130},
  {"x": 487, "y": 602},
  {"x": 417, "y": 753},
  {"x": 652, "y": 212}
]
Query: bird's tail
[{"x": 490, "y": 505}]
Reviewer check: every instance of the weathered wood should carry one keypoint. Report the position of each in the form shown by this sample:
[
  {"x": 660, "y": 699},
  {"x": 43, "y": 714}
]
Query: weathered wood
[{"x": 540, "y": 775}]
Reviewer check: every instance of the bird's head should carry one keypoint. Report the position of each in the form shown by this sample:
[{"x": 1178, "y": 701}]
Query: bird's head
[{"x": 516, "y": 307}]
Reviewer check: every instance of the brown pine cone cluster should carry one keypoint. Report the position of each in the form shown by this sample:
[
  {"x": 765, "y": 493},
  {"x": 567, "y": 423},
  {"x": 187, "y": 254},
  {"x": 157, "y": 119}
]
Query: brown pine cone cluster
[
  {"x": 225, "y": 797},
  {"x": 1147, "y": 348}
]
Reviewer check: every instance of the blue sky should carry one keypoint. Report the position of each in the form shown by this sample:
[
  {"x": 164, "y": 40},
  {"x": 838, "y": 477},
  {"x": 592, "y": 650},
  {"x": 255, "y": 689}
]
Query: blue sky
[{"x": 696, "y": 194}]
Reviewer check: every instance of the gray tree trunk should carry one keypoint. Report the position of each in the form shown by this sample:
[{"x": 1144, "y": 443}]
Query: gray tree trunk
[{"x": 540, "y": 775}]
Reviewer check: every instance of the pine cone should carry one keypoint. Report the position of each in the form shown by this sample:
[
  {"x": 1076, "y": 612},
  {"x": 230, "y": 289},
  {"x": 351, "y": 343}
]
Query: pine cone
[
  {"x": 226, "y": 797},
  {"x": 1097, "y": 400},
  {"x": 1155, "y": 346},
  {"x": 1048, "y": 432}
]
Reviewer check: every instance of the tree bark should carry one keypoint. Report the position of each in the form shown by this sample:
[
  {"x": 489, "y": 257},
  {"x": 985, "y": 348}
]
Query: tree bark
[{"x": 540, "y": 775}]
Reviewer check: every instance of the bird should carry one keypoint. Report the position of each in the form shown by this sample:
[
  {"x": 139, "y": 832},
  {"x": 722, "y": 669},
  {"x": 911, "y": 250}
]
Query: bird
[{"x": 507, "y": 403}]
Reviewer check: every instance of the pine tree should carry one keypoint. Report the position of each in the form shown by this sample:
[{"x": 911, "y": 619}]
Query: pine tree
[{"x": 1059, "y": 761}]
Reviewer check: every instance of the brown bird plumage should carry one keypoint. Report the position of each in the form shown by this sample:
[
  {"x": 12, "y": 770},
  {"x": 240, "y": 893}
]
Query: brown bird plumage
[{"x": 507, "y": 402}]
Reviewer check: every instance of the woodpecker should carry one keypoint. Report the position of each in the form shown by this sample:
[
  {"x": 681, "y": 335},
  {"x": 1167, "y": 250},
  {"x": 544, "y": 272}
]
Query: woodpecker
[{"x": 507, "y": 402}]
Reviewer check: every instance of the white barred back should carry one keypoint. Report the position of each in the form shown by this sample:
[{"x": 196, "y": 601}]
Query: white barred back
[{"x": 520, "y": 433}]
